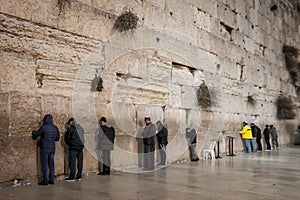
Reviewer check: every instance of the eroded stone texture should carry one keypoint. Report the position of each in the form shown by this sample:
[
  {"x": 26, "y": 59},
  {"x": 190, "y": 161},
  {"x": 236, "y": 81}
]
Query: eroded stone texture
[
  {"x": 4, "y": 113},
  {"x": 25, "y": 113},
  {"x": 50, "y": 53},
  {"x": 20, "y": 157}
]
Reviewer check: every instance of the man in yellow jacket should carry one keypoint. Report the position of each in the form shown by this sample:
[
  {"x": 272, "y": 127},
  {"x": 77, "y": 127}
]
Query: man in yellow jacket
[{"x": 247, "y": 136}]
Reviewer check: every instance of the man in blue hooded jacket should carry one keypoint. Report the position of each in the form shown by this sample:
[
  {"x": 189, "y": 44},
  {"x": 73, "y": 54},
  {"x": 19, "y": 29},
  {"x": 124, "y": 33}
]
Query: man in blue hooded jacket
[{"x": 49, "y": 134}]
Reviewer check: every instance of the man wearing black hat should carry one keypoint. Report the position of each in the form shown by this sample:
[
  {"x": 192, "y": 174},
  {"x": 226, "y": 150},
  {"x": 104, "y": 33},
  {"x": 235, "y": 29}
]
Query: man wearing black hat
[
  {"x": 149, "y": 144},
  {"x": 106, "y": 139},
  {"x": 162, "y": 138},
  {"x": 74, "y": 138}
]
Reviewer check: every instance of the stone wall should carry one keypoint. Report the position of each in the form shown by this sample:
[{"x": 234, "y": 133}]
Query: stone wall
[{"x": 50, "y": 51}]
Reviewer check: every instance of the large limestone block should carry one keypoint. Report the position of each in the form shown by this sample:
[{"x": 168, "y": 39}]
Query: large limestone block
[
  {"x": 49, "y": 43},
  {"x": 189, "y": 97},
  {"x": 203, "y": 38},
  {"x": 19, "y": 155},
  {"x": 229, "y": 69},
  {"x": 76, "y": 17},
  {"x": 4, "y": 113},
  {"x": 25, "y": 113},
  {"x": 243, "y": 24},
  {"x": 125, "y": 151},
  {"x": 174, "y": 96},
  {"x": 159, "y": 72},
  {"x": 226, "y": 14},
  {"x": 17, "y": 72},
  {"x": 57, "y": 78},
  {"x": 59, "y": 107},
  {"x": 208, "y": 6},
  {"x": 182, "y": 76},
  {"x": 202, "y": 19}
]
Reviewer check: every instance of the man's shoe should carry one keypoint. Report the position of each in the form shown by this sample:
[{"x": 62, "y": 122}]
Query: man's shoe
[
  {"x": 42, "y": 183},
  {"x": 79, "y": 178},
  {"x": 69, "y": 179},
  {"x": 51, "y": 182},
  {"x": 101, "y": 173}
]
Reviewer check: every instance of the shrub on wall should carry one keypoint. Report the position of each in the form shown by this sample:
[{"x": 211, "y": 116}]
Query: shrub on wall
[
  {"x": 285, "y": 108},
  {"x": 292, "y": 64},
  {"x": 126, "y": 21},
  {"x": 97, "y": 84},
  {"x": 250, "y": 100},
  {"x": 203, "y": 96}
]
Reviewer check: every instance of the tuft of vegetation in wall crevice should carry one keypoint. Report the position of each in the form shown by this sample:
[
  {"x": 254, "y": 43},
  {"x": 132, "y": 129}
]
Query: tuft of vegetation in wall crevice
[
  {"x": 250, "y": 100},
  {"x": 97, "y": 84},
  {"x": 126, "y": 21},
  {"x": 203, "y": 96},
  {"x": 62, "y": 5},
  {"x": 285, "y": 108},
  {"x": 293, "y": 66}
]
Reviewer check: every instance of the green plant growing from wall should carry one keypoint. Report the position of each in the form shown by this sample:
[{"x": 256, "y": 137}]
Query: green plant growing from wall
[
  {"x": 203, "y": 96},
  {"x": 290, "y": 50},
  {"x": 285, "y": 108},
  {"x": 292, "y": 64},
  {"x": 62, "y": 5},
  {"x": 126, "y": 21},
  {"x": 97, "y": 84},
  {"x": 250, "y": 100}
]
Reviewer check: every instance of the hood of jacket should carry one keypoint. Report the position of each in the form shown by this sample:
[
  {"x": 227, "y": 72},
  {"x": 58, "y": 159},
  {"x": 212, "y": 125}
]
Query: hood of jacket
[
  {"x": 48, "y": 119},
  {"x": 107, "y": 124}
]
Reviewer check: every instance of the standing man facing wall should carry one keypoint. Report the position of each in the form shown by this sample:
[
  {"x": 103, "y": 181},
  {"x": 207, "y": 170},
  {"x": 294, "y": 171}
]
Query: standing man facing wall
[
  {"x": 74, "y": 138},
  {"x": 49, "y": 134},
  {"x": 162, "y": 137},
  {"x": 246, "y": 136},
  {"x": 106, "y": 139},
  {"x": 149, "y": 144}
]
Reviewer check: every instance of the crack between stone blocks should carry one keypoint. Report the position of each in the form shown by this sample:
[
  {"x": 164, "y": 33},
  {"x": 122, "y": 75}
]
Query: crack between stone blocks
[{"x": 50, "y": 27}]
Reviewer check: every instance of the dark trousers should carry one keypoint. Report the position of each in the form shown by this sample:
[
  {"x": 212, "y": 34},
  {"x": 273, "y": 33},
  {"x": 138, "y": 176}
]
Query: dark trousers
[
  {"x": 73, "y": 156},
  {"x": 259, "y": 146},
  {"x": 275, "y": 142},
  {"x": 47, "y": 161},
  {"x": 163, "y": 154},
  {"x": 193, "y": 153},
  {"x": 267, "y": 140},
  {"x": 106, "y": 162},
  {"x": 149, "y": 157}
]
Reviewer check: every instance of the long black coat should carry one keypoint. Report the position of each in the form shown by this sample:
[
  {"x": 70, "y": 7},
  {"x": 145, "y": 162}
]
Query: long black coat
[
  {"x": 106, "y": 137},
  {"x": 74, "y": 137},
  {"x": 162, "y": 135}
]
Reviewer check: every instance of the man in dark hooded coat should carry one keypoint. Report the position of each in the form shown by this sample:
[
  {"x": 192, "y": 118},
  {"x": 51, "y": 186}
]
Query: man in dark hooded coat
[{"x": 48, "y": 134}]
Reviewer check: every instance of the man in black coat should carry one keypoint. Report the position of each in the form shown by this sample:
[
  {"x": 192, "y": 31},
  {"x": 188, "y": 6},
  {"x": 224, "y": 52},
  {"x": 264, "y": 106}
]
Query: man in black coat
[
  {"x": 49, "y": 134},
  {"x": 267, "y": 137},
  {"x": 257, "y": 133},
  {"x": 149, "y": 144},
  {"x": 191, "y": 137},
  {"x": 162, "y": 138},
  {"x": 74, "y": 138},
  {"x": 106, "y": 139}
]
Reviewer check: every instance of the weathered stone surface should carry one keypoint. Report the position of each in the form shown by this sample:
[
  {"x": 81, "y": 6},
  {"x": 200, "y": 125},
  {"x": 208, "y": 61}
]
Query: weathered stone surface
[
  {"x": 51, "y": 54},
  {"x": 16, "y": 72},
  {"x": 4, "y": 113},
  {"x": 25, "y": 113},
  {"x": 49, "y": 43},
  {"x": 19, "y": 155}
]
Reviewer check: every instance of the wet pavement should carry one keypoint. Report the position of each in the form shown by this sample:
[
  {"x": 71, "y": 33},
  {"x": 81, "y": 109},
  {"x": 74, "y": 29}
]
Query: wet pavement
[{"x": 264, "y": 175}]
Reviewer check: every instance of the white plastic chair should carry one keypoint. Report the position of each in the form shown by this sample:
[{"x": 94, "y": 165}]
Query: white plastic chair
[{"x": 210, "y": 151}]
